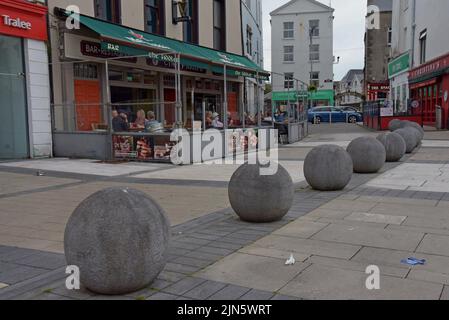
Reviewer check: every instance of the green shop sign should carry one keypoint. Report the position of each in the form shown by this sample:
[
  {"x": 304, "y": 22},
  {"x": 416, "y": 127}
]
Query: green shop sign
[
  {"x": 167, "y": 58},
  {"x": 288, "y": 95},
  {"x": 399, "y": 65}
]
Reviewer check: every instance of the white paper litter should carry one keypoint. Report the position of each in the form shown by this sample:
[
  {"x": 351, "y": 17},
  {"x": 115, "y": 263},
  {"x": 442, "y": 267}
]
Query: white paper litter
[{"x": 291, "y": 261}]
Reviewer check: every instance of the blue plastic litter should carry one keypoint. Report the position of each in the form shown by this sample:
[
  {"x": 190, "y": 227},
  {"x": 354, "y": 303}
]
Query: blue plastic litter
[{"x": 413, "y": 262}]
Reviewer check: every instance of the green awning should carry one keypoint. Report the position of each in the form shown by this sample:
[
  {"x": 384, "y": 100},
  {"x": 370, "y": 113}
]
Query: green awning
[{"x": 131, "y": 42}]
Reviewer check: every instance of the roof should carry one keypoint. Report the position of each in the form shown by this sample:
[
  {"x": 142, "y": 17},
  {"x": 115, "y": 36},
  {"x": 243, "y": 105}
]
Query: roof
[
  {"x": 352, "y": 74},
  {"x": 323, "y": 6},
  {"x": 127, "y": 41}
]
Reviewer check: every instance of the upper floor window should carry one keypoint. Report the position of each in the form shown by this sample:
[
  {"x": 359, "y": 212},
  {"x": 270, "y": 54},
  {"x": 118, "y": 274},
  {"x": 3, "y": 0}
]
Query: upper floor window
[
  {"x": 289, "y": 82},
  {"x": 190, "y": 30},
  {"x": 249, "y": 40},
  {"x": 289, "y": 54},
  {"x": 314, "y": 26},
  {"x": 390, "y": 36},
  {"x": 289, "y": 30},
  {"x": 219, "y": 25},
  {"x": 109, "y": 10},
  {"x": 314, "y": 52},
  {"x": 315, "y": 79},
  {"x": 422, "y": 46},
  {"x": 154, "y": 16}
]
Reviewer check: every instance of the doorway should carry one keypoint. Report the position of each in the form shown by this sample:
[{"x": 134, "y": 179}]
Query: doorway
[{"x": 14, "y": 142}]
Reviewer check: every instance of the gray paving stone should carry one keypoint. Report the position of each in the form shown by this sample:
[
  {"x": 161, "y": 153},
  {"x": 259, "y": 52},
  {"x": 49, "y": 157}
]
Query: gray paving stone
[
  {"x": 184, "y": 245},
  {"x": 20, "y": 273},
  {"x": 45, "y": 260},
  {"x": 205, "y": 290},
  {"x": 435, "y": 244},
  {"x": 230, "y": 292},
  {"x": 16, "y": 253},
  {"x": 50, "y": 296},
  {"x": 195, "y": 241},
  {"x": 171, "y": 276},
  {"x": 181, "y": 268},
  {"x": 445, "y": 294},
  {"x": 226, "y": 245},
  {"x": 194, "y": 262},
  {"x": 257, "y": 295},
  {"x": 214, "y": 250},
  {"x": 183, "y": 286},
  {"x": 373, "y": 237},
  {"x": 204, "y": 256},
  {"x": 284, "y": 298}
]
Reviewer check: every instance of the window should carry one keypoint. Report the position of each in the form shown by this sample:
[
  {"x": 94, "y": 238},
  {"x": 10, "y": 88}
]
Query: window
[
  {"x": 249, "y": 40},
  {"x": 219, "y": 25},
  {"x": 289, "y": 30},
  {"x": 390, "y": 35},
  {"x": 315, "y": 79},
  {"x": 314, "y": 52},
  {"x": 108, "y": 10},
  {"x": 289, "y": 83},
  {"x": 314, "y": 26},
  {"x": 154, "y": 16},
  {"x": 288, "y": 54},
  {"x": 190, "y": 29},
  {"x": 422, "y": 46}
]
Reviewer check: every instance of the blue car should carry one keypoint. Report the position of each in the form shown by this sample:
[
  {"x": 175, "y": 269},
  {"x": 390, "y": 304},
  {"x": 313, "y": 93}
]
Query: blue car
[{"x": 333, "y": 115}]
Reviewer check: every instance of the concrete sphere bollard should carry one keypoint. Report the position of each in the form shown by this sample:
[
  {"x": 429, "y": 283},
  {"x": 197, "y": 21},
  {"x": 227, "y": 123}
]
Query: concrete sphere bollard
[
  {"x": 368, "y": 154},
  {"x": 118, "y": 238},
  {"x": 328, "y": 168},
  {"x": 418, "y": 135},
  {"x": 411, "y": 124},
  {"x": 410, "y": 138},
  {"x": 260, "y": 198},
  {"x": 394, "y": 144},
  {"x": 394, "y": 125}
]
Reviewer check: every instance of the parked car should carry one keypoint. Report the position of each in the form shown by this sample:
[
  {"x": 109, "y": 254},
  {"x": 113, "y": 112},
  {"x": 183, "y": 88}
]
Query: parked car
[
  {"x": 351, "y": 109},
  {"x": 333, "y": 115}
]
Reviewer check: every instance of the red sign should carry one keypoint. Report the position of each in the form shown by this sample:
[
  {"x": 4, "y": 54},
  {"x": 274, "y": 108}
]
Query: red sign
[
  {"x": 378, "y": 87},
  {"x": 435, "y": 65},
  {"x": 23, "y": 19}
]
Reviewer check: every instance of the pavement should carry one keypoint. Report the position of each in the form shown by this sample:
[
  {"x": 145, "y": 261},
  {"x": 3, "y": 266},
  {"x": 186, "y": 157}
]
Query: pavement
[{"x": 378, "y": 219}]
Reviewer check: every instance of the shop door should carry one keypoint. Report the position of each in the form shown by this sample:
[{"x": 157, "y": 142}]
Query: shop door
[
  {"x": 88, "y": 100},
  {"x": 13, "y": 104}
]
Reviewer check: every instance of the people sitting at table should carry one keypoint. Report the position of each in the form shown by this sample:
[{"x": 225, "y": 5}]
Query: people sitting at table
[
  {"x": 152, "y": 125},
  {"x": 231, "y": 122},
  {"x": 216, "y": 123},
  {"x": 209, "y": 119},
  {"x": 249, "y": 120},
  {"x": 140, "y": 120},
  {"x": 119, "y": 122}
]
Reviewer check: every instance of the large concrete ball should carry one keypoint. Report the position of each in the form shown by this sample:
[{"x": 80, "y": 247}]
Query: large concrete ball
[
  {"x": 258, "y": 197},
  {"x": 406, "y": 124},
  {"x": 410, "y": 137},
  {"x": 394, "y": 144},
  {"x": 394, "y": 125},
  {"x": 368, "y": 154},
  {"x": 328, "y": 168},
  {"x": 118, "y": 238}
]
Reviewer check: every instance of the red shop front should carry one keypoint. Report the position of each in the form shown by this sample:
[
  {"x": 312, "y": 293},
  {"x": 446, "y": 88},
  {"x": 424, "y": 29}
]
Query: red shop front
[
  {"x": 429, "y": 89},
  {"x": 377, "y": 91}
]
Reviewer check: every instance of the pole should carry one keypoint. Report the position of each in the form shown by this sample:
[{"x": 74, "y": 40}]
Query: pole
[
  {"x": 259, "y": 120},
  {"x": 109, "y": 109},
  {"x": 225, "y": 102},
  {"x": 193, "y": 106},
  {"x": 179, "y": 123}
]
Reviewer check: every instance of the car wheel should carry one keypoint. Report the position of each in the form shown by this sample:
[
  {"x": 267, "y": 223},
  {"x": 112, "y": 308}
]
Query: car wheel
[
  {"x": 352, "y": 119},
  {"x": 317, "y": 120}
]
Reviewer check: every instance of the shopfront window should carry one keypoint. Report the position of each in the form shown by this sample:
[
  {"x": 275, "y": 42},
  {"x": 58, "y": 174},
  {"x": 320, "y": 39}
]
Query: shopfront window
[
  {"x": 13, "y": 107},
  {"x": 191, "y": 27}
]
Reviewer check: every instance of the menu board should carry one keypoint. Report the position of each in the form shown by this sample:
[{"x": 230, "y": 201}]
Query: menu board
[{"x": 142, "y": 148}]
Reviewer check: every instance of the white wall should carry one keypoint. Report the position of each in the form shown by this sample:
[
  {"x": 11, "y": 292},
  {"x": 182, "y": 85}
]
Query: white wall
[
  {"x": 38, "y": 87},
  {"x": 300, "y": 13},
  {"x": 434, "y": 17}
]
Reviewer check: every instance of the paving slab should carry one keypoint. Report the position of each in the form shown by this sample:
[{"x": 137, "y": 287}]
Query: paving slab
[
  {"x": 327, "y": 283},
  {"x": 435, "y": 244},
  {"x": 376, "y": 218},
  {"x": 230, "y": 292},
  {"x": 273, "y": 253},
  {"x": 309, "y": 246},
  {"x": 373, "y": 237},
  {"x": 262, "y": 273},
  {"x": 350, "y": 205},
  {"x": 301, "y": 229}
]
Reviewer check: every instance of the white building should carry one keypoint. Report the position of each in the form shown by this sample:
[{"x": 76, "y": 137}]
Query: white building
[
  {"x": 349, "y": 91},
  {"x": 252, "y": 33},
  {"x": 302, "y": 48}
]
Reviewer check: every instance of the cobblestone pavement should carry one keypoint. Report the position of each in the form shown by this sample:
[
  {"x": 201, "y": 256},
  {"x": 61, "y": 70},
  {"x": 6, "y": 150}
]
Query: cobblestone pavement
[{"x": 333, "y": 236}]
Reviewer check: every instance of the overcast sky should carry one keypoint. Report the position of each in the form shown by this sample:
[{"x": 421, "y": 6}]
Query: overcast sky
[{"x": 349, "y": 30}]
